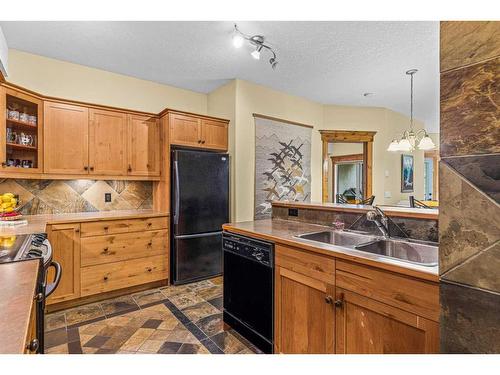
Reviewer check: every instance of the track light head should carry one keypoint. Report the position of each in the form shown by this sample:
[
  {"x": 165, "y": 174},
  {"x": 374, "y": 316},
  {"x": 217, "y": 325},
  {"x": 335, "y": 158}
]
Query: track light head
[
  {"x": 273, "y": 62},
  {"x": 256, "y": 54}
]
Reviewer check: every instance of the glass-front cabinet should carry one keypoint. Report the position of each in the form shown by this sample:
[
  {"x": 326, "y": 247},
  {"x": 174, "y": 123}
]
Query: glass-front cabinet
[{"x": 21, "y": 120}]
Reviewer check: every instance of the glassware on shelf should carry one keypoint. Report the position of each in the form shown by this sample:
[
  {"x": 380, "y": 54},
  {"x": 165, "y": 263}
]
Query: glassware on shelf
[{"x": 24, "y": 116}]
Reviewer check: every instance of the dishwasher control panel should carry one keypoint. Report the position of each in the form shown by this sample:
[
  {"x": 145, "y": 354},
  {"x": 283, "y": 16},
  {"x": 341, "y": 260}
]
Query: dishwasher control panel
[{"x": 259, "y": 251}]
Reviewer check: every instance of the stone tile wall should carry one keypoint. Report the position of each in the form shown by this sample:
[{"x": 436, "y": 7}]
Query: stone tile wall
[
  {"x": 68, "y": 196},
  {"x": 469, "y": 182}
]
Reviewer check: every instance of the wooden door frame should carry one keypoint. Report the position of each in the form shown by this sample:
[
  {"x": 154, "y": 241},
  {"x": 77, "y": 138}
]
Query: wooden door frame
[{"x": 349, "y": 136}]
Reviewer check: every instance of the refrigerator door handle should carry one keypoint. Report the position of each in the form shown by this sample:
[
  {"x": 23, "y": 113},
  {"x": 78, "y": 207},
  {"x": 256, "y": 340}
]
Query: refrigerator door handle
[{"x": 176, "y": 193}]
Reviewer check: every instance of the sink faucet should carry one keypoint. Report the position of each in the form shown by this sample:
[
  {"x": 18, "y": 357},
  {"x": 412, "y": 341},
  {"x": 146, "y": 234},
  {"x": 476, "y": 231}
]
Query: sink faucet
[{"x": 380, "y": 219}]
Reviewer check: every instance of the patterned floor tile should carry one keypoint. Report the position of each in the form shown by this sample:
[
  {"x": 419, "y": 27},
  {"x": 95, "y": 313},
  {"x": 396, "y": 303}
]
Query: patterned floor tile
[
  {"x": 148, "y": 296},
  {"x": 200, "y": 310},
  {"x": 183, "y": 319},
  {"x": 83, "y": 313},
  {"x": 120, "y": 304},
  {"x": 55, "y": 321}
]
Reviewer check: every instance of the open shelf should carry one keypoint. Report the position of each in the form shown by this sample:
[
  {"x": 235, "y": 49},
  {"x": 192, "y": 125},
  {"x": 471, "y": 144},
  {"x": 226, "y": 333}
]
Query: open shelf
[
  {"x": 21, "y": 124},
  {"x": 22, "y": 147}
]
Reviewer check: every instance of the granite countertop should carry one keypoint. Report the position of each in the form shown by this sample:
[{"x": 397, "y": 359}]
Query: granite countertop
[
  {"x": 284, "y": 232},
  {"x": 18, "y": 286},
  {"x": 37, "y": 223}
]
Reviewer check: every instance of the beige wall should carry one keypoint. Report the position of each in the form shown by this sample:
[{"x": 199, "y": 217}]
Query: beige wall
[
  {"x": 222, "y": 103},
  {"x": 387, "y": 124},
  {"x": 252, "y": 98},
  {"x": 77, "y": 82}
]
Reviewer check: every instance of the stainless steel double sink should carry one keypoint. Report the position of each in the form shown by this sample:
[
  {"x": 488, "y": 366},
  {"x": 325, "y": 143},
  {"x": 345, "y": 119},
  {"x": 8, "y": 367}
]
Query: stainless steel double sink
[{"x": 410, "y": 251}]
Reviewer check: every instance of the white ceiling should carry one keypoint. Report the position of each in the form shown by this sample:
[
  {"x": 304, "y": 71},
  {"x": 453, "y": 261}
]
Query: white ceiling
[{"x": 328, "y": 62}]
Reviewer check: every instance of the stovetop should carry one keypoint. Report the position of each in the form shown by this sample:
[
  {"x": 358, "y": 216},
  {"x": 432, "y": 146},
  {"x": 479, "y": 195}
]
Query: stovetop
[{"x": 20, "y": 247}]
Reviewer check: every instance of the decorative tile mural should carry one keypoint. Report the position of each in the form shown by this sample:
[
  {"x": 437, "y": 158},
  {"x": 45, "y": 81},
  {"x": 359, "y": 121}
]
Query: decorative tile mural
[
  {"x": 68, "y": 196},
  {"x": 469, "y": 207},
  {"x": 282, "y": 164}
]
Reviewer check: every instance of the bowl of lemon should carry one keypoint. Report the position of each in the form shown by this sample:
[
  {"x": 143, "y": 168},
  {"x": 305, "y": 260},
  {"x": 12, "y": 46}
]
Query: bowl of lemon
[{"x": 9, "y": 206}]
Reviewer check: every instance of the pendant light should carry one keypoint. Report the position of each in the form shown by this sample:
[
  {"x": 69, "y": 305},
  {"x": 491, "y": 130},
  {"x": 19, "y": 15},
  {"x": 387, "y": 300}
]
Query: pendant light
[{"x": 412, "y": 138}]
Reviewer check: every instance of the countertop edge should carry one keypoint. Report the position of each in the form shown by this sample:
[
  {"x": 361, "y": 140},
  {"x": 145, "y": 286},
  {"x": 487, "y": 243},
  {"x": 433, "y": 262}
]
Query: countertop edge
[{"x": 427, "y": 276}]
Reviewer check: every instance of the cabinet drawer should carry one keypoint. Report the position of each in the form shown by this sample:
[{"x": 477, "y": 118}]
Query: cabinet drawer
[
  {"x": 416, "y": 296},
  {"x": 112, "y": 276},
  {"x": 99, "y": 228},
  {"x": 123, "y": 246},
  {"x": 313, "y": 265}
]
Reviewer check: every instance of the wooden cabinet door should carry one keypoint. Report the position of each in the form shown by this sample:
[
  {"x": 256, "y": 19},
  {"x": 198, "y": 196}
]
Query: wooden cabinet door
[
  {"x": 65, "y": 138},
  {"x": 185, "y": 130},
  {"x": 107, "y": 143},
  {"x": 65, "y": 241},
  {"x": 304, "y": 314},
  {"x": 214, "y": 134},
  {"x": 143, "y": 146},
  {"x": 366, "y": 326}
]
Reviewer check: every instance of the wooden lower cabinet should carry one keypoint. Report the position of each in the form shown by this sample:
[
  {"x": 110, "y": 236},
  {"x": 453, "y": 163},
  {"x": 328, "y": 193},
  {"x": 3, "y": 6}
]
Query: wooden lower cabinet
[
  {"x": 108, "y": 255},
  {"x": 65, "y": 241},
  {"x": 304, "y": 314},
  {"x": 366, "y": 326},
  {"x": 328, "y": 305}
]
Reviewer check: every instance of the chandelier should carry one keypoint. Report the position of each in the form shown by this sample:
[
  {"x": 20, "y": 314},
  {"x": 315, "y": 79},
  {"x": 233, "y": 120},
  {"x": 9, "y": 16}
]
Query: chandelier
[{"x": 410, "y": 137}]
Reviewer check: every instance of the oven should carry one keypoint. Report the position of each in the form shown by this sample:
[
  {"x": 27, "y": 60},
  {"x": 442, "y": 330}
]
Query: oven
[
  {"x": 34, "y": 247},
  {"x": 249, "y": 288}
]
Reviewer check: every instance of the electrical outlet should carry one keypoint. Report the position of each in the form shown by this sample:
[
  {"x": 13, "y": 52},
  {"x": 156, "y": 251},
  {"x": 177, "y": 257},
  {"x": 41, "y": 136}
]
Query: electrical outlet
[
  {"x": 107, "y": 197},
  {"x": 293, "y": 212}
]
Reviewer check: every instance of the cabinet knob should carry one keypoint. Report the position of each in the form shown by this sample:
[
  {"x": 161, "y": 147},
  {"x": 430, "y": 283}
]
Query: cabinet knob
[
  {"x": 199, "y": 140},
  {"x": 4, "y": 164},
  {"x": 33, "y": 345},
  {"x": 150, "y": 269},
  {"x": 91, "y": 168},
  {"x": 85, "y": 168},
  {"x": 105, "y": 228},
  {"x": 105, "y": 250},
  {"x": 150, "y": 244},
  {"x": 129, "y": 168},
  {"x": 329, "y": 300},
  {"x": 39, "y": 297},
  {"x": 150, "y": 224},
  {"x": 202, "y": 142},
  {"x": 339, "y": 302},
  {"x": 105, "y": 278}
]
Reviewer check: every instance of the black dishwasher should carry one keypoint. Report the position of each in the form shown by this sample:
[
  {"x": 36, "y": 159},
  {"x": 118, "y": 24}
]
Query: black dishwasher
[{"x": 249, "y": 288}]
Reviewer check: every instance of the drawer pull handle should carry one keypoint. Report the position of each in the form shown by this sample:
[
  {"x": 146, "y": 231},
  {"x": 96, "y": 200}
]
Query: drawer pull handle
[
  {"x": 329, "y": 300},
  {"x": 33, "y": 345},
  {"x": 339, "y": 302},
  {"x": 150, "y": 269},
  {"x": 105, "y": 278}
]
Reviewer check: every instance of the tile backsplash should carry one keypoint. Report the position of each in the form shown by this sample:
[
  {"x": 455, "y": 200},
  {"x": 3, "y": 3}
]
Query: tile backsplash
[{"x": 68, "y": 196}]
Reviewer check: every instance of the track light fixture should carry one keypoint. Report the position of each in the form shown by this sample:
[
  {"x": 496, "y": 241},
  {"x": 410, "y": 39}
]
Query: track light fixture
[{"x": 258, "y": 41}]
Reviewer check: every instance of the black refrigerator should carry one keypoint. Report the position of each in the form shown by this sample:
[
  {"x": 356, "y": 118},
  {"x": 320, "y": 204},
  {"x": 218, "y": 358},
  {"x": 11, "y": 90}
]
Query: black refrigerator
[{"x": 200, "y": 205}]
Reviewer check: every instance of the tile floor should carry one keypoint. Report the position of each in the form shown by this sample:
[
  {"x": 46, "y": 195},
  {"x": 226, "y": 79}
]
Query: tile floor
[{"x": 183, "y": 319}]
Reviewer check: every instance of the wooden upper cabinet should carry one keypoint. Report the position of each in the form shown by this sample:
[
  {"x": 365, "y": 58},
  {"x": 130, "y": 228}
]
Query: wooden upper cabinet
[
  {"x": 185, "y": 130},
  {"x": 198, "y": 131},
  {"x": 65, "y": 138},
  {"x": 144, "y": 146},
  {"x": 214, "y": 134},
  {"x": 366, "y": 326},
  {"x": 107, "y": 142}
]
